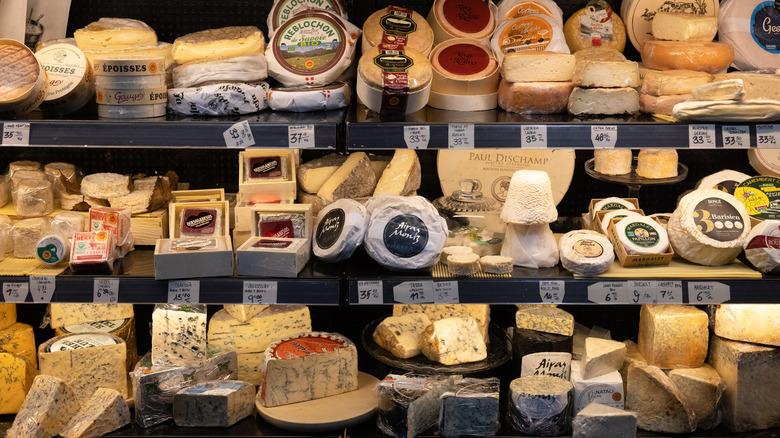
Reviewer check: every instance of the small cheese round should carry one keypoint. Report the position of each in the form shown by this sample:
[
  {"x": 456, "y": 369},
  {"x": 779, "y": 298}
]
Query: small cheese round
[
  {"x": 711, "y": 57},
  {"x": 394, "y": 22},
  {"x": 385, "y": 75},
  {"x": 106, "y": 185},
  {"x": 595, "y": 25},
  {"x": 463, "y": 264},
  {"x": 541, "y": 405},
  {"x": 612, "y": 161},
  {"x": 615, "y": 214},
  {"x": 642, "y": 236},
  {"x": 25, "y": 82},
  {"x": 661, "y": 104},
  {"x": 529, "y": 200},
  {"x": 534, "y": 97},
  {"x": 457, "y": 249},
  {"x": 71, "y": 81},
  {"x": 419, "y": 71},
  {"x": 496, "y": 264},
  {"x": 461, "y": 19},
  {"x": 657, "y": 163},
  {"x": 52, "y": 249},
  {"x": 586, "y": 252},
  {"x": 612, "y": 203}
]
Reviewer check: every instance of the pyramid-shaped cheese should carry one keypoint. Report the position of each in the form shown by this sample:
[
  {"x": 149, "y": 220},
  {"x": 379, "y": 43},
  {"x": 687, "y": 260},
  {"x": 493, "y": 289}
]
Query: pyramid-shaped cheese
[
  {"x": 658, "y": 404},
  {"x": 702, "y": 388},
  {"x": 602, "y": 356},
  {"x": 530, "y": 199},
  {"x": 673, "y": 336}
]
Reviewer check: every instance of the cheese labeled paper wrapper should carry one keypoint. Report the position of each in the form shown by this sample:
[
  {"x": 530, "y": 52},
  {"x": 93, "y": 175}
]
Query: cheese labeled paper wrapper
[
  {"x": 219, "y": 99},
  {"x": 111, "y": 220},
  {"x": 93, "y": 252},
  {"x": 310, "y": 98}
]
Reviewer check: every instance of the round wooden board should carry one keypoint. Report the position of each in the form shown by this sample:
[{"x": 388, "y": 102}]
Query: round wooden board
[{"x": 329, "y": 413}]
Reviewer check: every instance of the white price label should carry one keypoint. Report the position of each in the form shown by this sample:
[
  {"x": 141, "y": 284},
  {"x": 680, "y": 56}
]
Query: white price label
[
  {"x": 239, "y": 135},
  {"x": 534, "y": 137},
  {"x": 736, "y": 137},
  {"x": 603, "y": 137},
  {"x": 701, "y": 136},
  {"x": 15, "y": 292},
  {"x": 184, "y": 292},
  {"x": 708, "y": 292},
  {"x": 767, "y": 136},
  {"x": 260, "y": 292},
  {"x": 105, "y": 290},
  {"x": 16, "y": 134},
  {"x": 552, "y": 292},
  {"x": 460, "y": 136},
  {"x": 413, "y": 292},
  {"x": 669, "y": 292},
  {"x": 446, "y": 292},
  {"x": 370, "y": 292},
  {"x": 417, "y": 137},
  {"x": 300, "y": 136},
  {"x": 609, "y": 292},
  {"x": 642, "y": 292},
  {"x": 42, "y": 288}
]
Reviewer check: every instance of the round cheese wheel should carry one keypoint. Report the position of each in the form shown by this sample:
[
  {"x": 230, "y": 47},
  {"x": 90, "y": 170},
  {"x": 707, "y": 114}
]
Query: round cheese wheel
[
  {"x": 660, "y": 104},
  {"x": 586, "y": 252},
  {"x": 712, "y": 57},
  {"x": 396, "y": 25},
  {"x": 534, "y": 97},
  {"x": 510, "y": 9},
  {"x": 762, "y": 246},
  {"x": 760, "y": 196},
  {"x": 25, "y": 84},
  {"x": 461, "y": 19},
  {"x": 136, "y": 65},
  {"x": 339, "y": 230},
  {"x": 530, "y": 32},
  {"x": 464, "y": 59},
  {"x": 615, "y": 214},
  {"x": 595, "y": 25},
  {"x": 641, "y": 235},
  {"x": 612, "y": 203},
  {"x": 657, "y": 163},
  {"x": 71, "y": 82},
  {"x": 284, "y": 10},
  {"x": 612, "y": 161},
  {"x": 725, "y": 180},
  {"x": 638, "y": 15},
  {"x": 709, "y": 227},
  {"x": 541, "y": 405},
  {"x": 765, "y": 161},
  {"x": 751, "y": 27},
  {"x": 52, "y": 249},
  {"x": 131, "y": 111},
  {"x": 392, "y": 77}
]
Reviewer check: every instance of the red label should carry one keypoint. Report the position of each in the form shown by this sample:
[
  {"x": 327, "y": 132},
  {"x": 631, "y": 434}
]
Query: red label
[
  {"x": 464, "y": 59},
  {"x": 265, "y": 167},
  {"x": 199, "y": 221},
  {"x": 468, "y": 16},
  {"x": 277, "y": 244},
  {"x": 282, "y": 229},
  {"x": 304, "y": 346},
  {"x": 764, "y": 242}
]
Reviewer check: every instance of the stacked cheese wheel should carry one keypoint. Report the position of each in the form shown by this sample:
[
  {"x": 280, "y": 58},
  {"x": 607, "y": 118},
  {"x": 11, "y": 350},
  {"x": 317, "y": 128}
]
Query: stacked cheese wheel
[{"x": 604, "y": 83}]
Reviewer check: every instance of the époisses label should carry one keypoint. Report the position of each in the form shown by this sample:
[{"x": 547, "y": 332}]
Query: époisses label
[
  {"x": 596, "y": 22},
  {"x": 130, "y": 66},
  {"x": 285, "y": 9},
  {"x": 718, "y": 220},
  {"x": 330, "y": 228},
  {"x": 67, "y": 68},
  {"x": 201, "y": 221},
  {"x": 311, "y": 43},
  {"x": 405, "y": 236},
  {"x": 464, "y": 59},
  {"x": 396, "y": 25},
  {"x": 131, "y": 97},
  {"x": 467, "y": 16}
]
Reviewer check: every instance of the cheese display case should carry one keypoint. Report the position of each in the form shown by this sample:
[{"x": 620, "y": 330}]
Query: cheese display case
[{"x": 511, "y": 329}]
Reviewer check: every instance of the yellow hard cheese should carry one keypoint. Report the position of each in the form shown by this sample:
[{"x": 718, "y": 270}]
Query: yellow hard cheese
[
  {"x": 15, "y": 379},
  {"x": 7, "y": 315},
  {"x": 67, "y": 314},
  {"x": 225, "y": 42},
  {"x": 673, "y": 336},
  {"x": 115, "y": 33},
  {"x": 51, "y": 403},
  {"x": 19, "y": 340},
  {"x": 546, "y": 320},
  {"x": 402, "y": 176}
]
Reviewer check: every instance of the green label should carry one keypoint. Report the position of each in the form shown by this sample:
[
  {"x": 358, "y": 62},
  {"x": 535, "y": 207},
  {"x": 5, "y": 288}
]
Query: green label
[
  {"x": 642, "y": 234},
  {"x": 309, "y": 45},
  {"x": 616, "y": 206}
]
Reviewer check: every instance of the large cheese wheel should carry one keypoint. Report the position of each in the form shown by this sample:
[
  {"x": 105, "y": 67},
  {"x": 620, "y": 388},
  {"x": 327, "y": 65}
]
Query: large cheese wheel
[
  {"x": 381, "y": 72},
  {"x": 660, "y": 104},
  {"x": 751, "y": 27},
  {"x": 662, "y": 83},
  {"x": 71, "y": 82},
  {"x": 284, "y": 10},
  {"x": 530, "y": 32},
  {"x": 461, "y": 19},
  {"x": 595, "y": 25},
  {"x": 534, "y": 97},
  {"x": 685, "y": 55},
  {"x": 396, "y": 25}
]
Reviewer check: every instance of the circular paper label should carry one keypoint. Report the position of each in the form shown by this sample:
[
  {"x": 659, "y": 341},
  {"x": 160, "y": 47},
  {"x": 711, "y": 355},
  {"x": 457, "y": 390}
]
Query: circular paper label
[
  {"x": 309, "y": 45},
  {"x": 526, "y": 33},
  {"x": 464, "y": 59},
  {"x": 642, "y": 234},
  {"x": 765, "y": 26},
  {"x": 330, "y": 228},
  {"x": 304, "y": 346},
  {"x": 718, "y": 220},
  {"x": 588, "y": 248},
  {"x": 467, "y": 16},
  {"x": 74, "y": 342},
  {"x": 405, "y": 236}
]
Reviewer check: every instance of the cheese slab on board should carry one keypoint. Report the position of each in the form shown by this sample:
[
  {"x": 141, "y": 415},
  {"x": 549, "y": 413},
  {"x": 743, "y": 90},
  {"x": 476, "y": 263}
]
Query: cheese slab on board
[
  {"x": 702, "y": 388},
  {"x": 672, "y": 336},
  {"x": 104, "y": 412},
  {"x": 115, "y": 33},
  {"x": 658, "y": 404},
  {"x": 638, "y": 15},
  {"x": 671, "y": 26},
  {"x": 225, "y": 42},
  {"x": 461, "y": 19},
  {"x": 51, "y": 403},
  {"x": 179, "y": 335},
  {"x": 749, "y": 25},
  {"x": 596, "y": 25},
  {"x": 400, "y": 335}
]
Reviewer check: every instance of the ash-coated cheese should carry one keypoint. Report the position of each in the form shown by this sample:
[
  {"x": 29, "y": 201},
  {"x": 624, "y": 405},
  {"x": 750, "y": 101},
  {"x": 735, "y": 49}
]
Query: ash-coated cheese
[
  {"x": 658, "y": 404},
  {"x": 538, "y": 67},
  {"x": 602, "y": 356},
  {"x": 750, "y": 373},
  {"x": 219, "y": 403},
  {"x": 529, "y": 200},
  {"x": 657, "y": 163},
  {"x": 661, "y": 104},
  {"x": 402, "y": 176},
  {"x": 541, "y": 405},
  {"x": 586, "y": 253},
  {"x": 641, "y": 235},
  {"x": 606, "y": 101},
  {"x": 226, "y": 42},
  {"x": 308, "y": 366},
  {"x": 339, "y": 230},
  {"x": 752, "y": 323},
  {"x": 708, "y": 227},
  {"x": 606, "y": 74},
  {"x": 596, "y": 25},
  {"x": 51, "y": 402},
  {"x": 673, "y": 26},
  {"x": 612, "y": 161},
  {"x": 86, "y": 361},
  {"x": 179, "y": 335},
  {"x": 435, "y": 312},
  {"x": 400, "y": 335},
  {"x": 451, "y": 341},
  {"x": 702, "y": 387},
  {"x": 672, "y": 336},
  {"x": 353, "y": 179},
  {"x": 19, "y": 340},
  {"x": 710, "y": 57},
  {"x": 244, "y": 312},
  {"x": 534, "y": 97},
  {"x": 16, "y": 376},
  {"x": 729, "y": 89},
  {"x": 471, "y": 408},
  {"x": 313, "y": 174},
  {"x": 68, "y": 314},
  {"x": 104, "y": 412},
  {"x": 597, "y": 420},
  {"x": 545, "y": 319},
  {"x": 606, "y": 389},
  {"x": 246, "y": 68},
  {"x": 666, "y": 82}
]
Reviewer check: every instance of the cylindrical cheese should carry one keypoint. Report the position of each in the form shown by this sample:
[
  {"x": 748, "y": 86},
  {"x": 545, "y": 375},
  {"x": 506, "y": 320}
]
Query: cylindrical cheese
[
  {"x": 612, "y": 161},
  {"x": 122, "y": 328},
  {"x": 71, "y": 81},
  {"x": 530, "y": 200},
  {"x": 751, "y": 27},
  {"x": 663, "y": 83},
  {"x": 642, "y": 235},
  {"x": 525, "y": 341},
  {"x": 463, "y": 66},
  {"x": 25, "y": 83},
  {"x": 541, "y": 405},
  {"x": 711, "y": 57},
  {"x": 461, "y": 19},
  {"x": 615, "y": 214},
  {"x": 394, "y": 25},
  {"x": 394, "y": 78},
  {"x": 585, "y": 252},
  {"x": 657, "y": 163},
  {"x": 511, "y": 9},
  {"x": 595, "y": 25},
  {"x": 534, "y": 97}
]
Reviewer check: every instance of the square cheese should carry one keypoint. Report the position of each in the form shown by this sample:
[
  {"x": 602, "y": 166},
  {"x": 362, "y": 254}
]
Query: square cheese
[
  {"x": 756, "y": 323},
  {"x": 673, "y": 336}
]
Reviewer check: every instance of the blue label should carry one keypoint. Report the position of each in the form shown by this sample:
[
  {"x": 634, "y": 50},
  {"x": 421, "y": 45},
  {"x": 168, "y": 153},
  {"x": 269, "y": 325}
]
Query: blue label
[{"x": 765, "y": 26}]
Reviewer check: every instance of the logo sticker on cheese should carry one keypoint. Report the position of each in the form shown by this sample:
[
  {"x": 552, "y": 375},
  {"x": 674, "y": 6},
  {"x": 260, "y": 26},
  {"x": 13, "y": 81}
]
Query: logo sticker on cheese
[
  {"x": 284, "y": 10},
  {"x": 330, "y": 228},
  {"x": 71, "y": 82},
  {"x": 461, "y": 19},
  {"x": 596, "y": 22},
  {"x": 529, "y": 33},
  {"x": 405, "y": 236},
  {"x": 718, "y": 220},
  {"x": 128, "y": 66},
  {"x": 761, "y": 197},
  {"x": 510, "y": 9},
  {"x": 396, "y": 25}
]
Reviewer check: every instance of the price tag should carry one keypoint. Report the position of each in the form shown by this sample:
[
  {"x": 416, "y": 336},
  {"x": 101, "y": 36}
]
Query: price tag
[
  {"x": 239, "y": 135},
  {"x": 552, "y": 292},
  {"x": 446, "y": 292},
  {"x": 16, "y": 134},
  {"x": 413, "y": 292},
  {"x": 417, "y": 137},
  {"x": 736, "y": 137},
  {"x": 767, "y": 136},
  {"x": 184, "y": 292},
  {"x": 105, "y": 290},
  {"x": 611, "y": 292},
  {"x": 15, "y": 292},
  {"x": 42, "y": 288},
  {"x": 669, "y": 292},
  {"x": 260, "y": 292},
  {"x": 603, "y": 137},
  {"x": 701, "y": 136},
  {"x": 534, "y": 137},
  {"x": 370, "y": 292},
  {"x": 460, "y": 136},
  {"x": 642, "y": 292},
  {"x": 708, "y": 292},
  {"x": 300, "y": 136}
]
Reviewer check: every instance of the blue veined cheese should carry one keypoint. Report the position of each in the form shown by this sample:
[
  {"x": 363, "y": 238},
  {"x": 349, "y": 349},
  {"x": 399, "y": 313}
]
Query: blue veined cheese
[
  {"x": 105, "y": 412},
  {"x": 545, "y": 319},
  {"x": 19, "y": 340},
  {"x": 424, "y": 412},
  {"x": 220, "y": 403},
  {"x": 400, "y": 335},
  {"x": 179, "y": 335},
  {"x": 703, "y": 388},
  {"x": 50, "y": 403},
  {"x": 601, "y": 421},
  {"x": 86, "y": 362},
  {"x": 541, "y": 405},
  {"x": 471, "y": 408},
  {"x": 65, "y": 314},
  {"x": 123, "y": 328},
  {"x": 606, "y": 389},
  {"x": 16, "y": 376},
  {"x": 658, "y": 404},
  {"x": 602, "y": 356},
  {"x": 435, "y": 312},
  {"x": 7, "y": 315},
  {"x": 308, "y": 366},
  {"x": 244, "y": 312},
  {"x": 410, "y": 403},
  {"x": 452, "y": 341}
]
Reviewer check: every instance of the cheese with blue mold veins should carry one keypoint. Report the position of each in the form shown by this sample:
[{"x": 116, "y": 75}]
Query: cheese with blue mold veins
[
  {"x": 658, "y": 404},
  {"x": 19, "y": 340},
  {"x": 220, "y": 403},
  {"x": 105, "y": 412},
  {"x": 7, "y": 315},
  {"x": 16, "y": 375},
  {"x": 471, "y": 408},
  {"x": 598, "y": 420},
  {"x": 410, "y": 403},
  {"x": 435, "y": 312},
  {"x": 67, "y": 314},
  {"x": 179, "y": 335},
  {"x": 50, "y": 404},
  {"x": 400, "y": 335},
  {"x": 545, "y": 319},
  {"x": 452, "y": 341},
  {"x": 541, "y": 405}
]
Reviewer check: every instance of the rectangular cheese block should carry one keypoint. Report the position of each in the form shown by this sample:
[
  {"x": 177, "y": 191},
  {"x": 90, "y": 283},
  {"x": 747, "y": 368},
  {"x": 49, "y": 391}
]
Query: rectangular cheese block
[
  {"x": 666, "y": 82},
  {"x": 226, "y": 42},
  {"x": 402, "y": 176},
  {"x": 308, "y": 366},
  {"x": 703, "y": 388},
  {"x": 272, "y": 257},
  {"x": 451, "y": 341},
  {"x": 244, "y": 312},
  {"x": 105, "y": 412},
  {"x": 470, "y": 408},
  {"x": 545, "y": 319},
  {"x": 214, "y": 404},
  {"x": 606, "y": 74},
  {"x": 253, "y": 336},
  {"x": 672, "y": 336},
  {"x": 658, "y": 404},
  {"x": 66, "y": 314},
  {"x": 750, "y": 372},
  {"x": 353, "y": 179},
  {"x": 606, "y": 101},
  {"x": 400, "y": 335},
  {"x": 16, "y": 375},
  {"x": 757, "y": 85},
  {"x": 598, "y": 420},
  {"x": 748, "y": 323},
  {"x": 50, "y": 403},
  {"x": 179, "y": 335},
  {"x": 606, "y": 389},
  {"x": 313, "y": 174},
  {"x": 7, "y": 315},
  {"x": 673, "y": 26},
  {"x": 602, "y": 356},
  {"x": 537, "y": 67}
]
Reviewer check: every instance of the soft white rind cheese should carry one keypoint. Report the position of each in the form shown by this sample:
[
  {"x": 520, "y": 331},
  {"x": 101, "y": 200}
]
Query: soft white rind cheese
[
  {"x": 728, "y": 89},
  {"x": 612, "y": 161},
  {"x": 530, "y": 246},
  {"x": 530, "y": 200},
  {"x": 247, "y": 68},
  {"x": 339, "y": 230},
  {"x": 586, "y": 252},
  {"x": 642, "y": 235}
]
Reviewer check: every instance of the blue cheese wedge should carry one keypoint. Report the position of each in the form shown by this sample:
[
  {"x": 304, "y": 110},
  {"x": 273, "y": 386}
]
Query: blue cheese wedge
[
  {"x": 400, "y": 335},
  {"x": 220, "y": 403},
  {"x": 410, "y": 403},
  {"x": 50, "y": 403},
  {"x": 105, "y": 412},
  {"x": 451, "y": 341},
  {"x": 471, "y": 408},
  {"x": 435, "y": 312},
  {"x": 179, "y": 335},
  {"x": 16, "y": 375}
]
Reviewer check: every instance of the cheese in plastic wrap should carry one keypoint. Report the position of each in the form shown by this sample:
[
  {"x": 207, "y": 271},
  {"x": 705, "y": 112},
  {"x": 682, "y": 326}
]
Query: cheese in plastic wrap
[
  {"x": 762, "y": 246},
  {"x": 471, "y": 408},
  {"x": 308, "y": 99},
  {"x": 219, "y": 100}
]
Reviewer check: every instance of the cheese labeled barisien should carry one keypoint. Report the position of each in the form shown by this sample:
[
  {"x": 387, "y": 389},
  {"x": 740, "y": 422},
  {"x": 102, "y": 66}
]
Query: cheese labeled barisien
[
  {"x": 395, "y": 25},
  {"x": 339, "y": 230},
  {"x": 284, "y": 10},
  {"x": 528, "y": 33},
  {"x": 672, "y": 336},
  {"x": 702, "y": 388},
  {"x": 16, "y": 376},
  {"x": 178, "y": 335},
  {"x": 725, "y": 180},
  {"x": 541, "y": 405},
  {"x": 51, "y": 402},
  {"x": 225, "y": 42},
  {"x": 452, "y": 341},
  {"x": 461, "y": 19},
  {"x": 115, "y": 33},
  {"x": 220, "y": 403},
  {"x": 402, "y": 176},
  {"x": 596, "y": 25},
  {"x": 586, "y": 252},
  {"x": 104, "y": 412},
  {"x": 672, "y": 26},
  {"x": 600, "y": 420},
  {"x": 750, "y": 26},
  {"x": 308, "y": 366}
]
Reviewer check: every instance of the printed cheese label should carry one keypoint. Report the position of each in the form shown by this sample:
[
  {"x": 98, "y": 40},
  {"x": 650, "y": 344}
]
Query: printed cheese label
[
  {"x": 588, "y": 248},
  {"x": 330, "y": 228},
  {"x": 305, "y": 346},
  {"x": 66, "y": 68},
  {"x": 180, "y": 245},
  {"x": 51, "y": 249},
  {"x": 285, "y": 9},
  {"x": 309, "y": 45},
  {"x": 526, "y": 34},
  {"x": 464, "y": 59},
  {"x": 642, "y": 234},
  {"x": 277, "y": 228},
  {"x": 75, "y": 342},
  {"x": 131, "y": 97},
  {"x": 396, "y": 25},
  {"x": 765, "y": 26},
  {"x": 602, "y": 394},
  {"x": 100, "y": 326},
  {"x": 405, "y": 236},
  {"x": 395, "y": 79},
  {"x": 546, "y": 364},
  {"x": 761, "y": 196},
  {"x": 718, "y": 220},
  {"x": 467, "y": 16},
  {"x": 265, "y": 167},
  {"x": 272, "y": 244},
  {"x": 596, "y": 22},
  {"x": 615, "y": 206},
  {"x": 199, "y": 221},
  {"x": 528, "y": 8},
  {"x": 128, "y": 67}
]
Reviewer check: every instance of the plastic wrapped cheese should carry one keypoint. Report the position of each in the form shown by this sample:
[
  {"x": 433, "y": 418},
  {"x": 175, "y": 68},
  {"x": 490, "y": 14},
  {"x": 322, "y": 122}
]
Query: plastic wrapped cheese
[
  {"x": 762, "y": 246},
  {"x": 219, "y": 99},
  {"x": 530, "y": 246},
  {"x": 339, "y": 230},
  {"x": 33, "y": 198}
]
